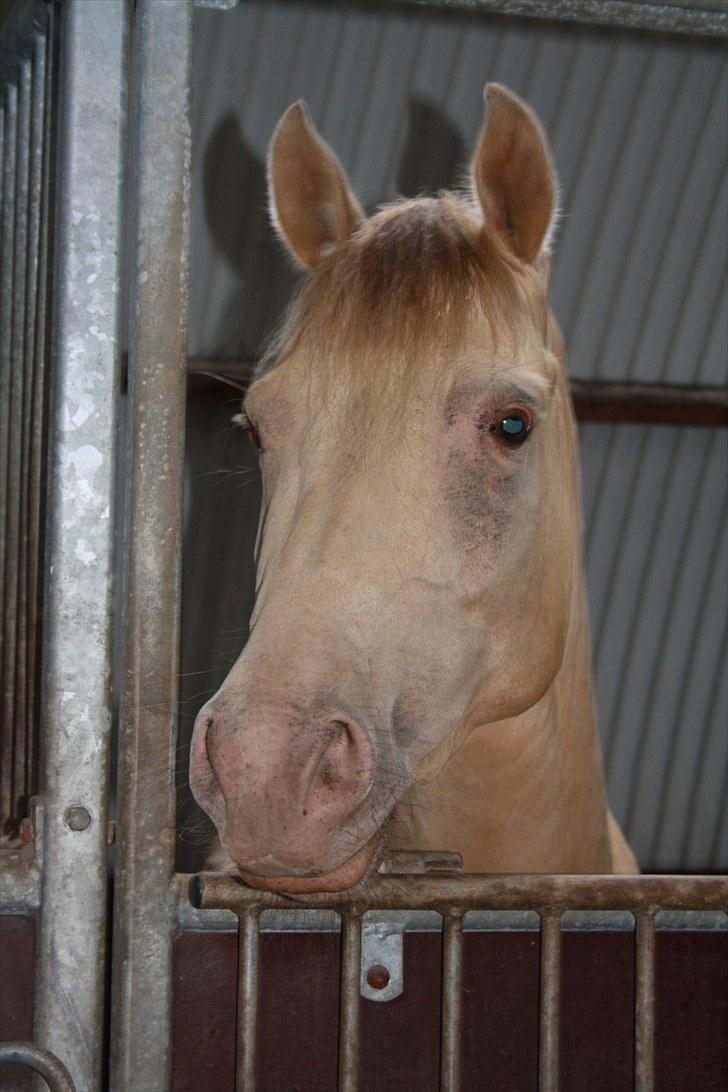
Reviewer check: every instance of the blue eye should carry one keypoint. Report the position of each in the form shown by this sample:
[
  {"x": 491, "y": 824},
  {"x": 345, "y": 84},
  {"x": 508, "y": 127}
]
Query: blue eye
[{"x": 514, "y": 428}]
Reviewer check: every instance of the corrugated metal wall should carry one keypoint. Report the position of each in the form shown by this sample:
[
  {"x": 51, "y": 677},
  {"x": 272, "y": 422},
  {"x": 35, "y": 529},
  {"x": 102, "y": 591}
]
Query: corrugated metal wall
[{"x": 638, "y": 128}]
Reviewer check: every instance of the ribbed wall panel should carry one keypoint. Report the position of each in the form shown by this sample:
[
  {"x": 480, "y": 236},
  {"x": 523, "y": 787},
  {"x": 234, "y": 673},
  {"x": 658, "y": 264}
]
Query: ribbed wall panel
[
  {"x": 25, "y": 151},
  {"x": 637, "y": 126}
]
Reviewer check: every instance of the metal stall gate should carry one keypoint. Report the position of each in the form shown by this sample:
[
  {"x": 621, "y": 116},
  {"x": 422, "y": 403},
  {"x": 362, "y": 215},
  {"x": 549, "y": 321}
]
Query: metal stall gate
[{"x": 95, "y": 143}]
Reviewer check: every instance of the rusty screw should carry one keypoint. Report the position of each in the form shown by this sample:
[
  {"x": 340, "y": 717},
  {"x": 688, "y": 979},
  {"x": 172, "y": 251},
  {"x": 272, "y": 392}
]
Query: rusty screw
[
  {"x": 77, "y": 818},
  {"x": 378, "y": 976}
]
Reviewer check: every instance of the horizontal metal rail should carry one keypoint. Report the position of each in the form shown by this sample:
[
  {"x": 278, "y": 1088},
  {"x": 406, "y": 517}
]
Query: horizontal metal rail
[
  {"x": 670, "y": 16},
  {"x": 452, "y": 895},
  {"x": 649, "y": 403},
  {"x": 673, "y": 16},
  {"x": 225, "y": 891}
]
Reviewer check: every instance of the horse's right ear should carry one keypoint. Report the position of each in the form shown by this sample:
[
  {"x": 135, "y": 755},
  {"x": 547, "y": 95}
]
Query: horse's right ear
[{"x": 311, "y": 204}]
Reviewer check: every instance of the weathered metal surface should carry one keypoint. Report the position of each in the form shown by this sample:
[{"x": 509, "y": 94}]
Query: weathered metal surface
[
  {"x": 452, "y": 1002},
  {"x": 649, "y": 403},
  {"x": 21, "y": 866},
  {"x": 450, "y": 895},
  {"x": 51, "y": 1069},
  {"x": 158, "y": 193},
  {"x": 247, "y": 1016},
  {"x": 20, "y": 888},
  {"x": 26, "y": 69},
  {"x": 644, "y": 1003},
  {"x": 13, "y": 710},
  {"x": 77, "y": 619},
  {"x": 10, "y": 125},
  {"x": 349, "y": 1040},
  {"x": 677, "y": 18},
  {"x": 34, "y": 410},
  {"x": 382, "y": 963},
  {"x": 224, "y": 891},
  {"x": 549, "y": 1003}
]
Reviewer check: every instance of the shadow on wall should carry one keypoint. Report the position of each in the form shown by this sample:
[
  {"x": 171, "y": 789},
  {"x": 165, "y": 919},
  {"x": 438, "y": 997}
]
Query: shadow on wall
[
  {"x": 236, "y": 212},
  {"x": 222, "y": 484}
]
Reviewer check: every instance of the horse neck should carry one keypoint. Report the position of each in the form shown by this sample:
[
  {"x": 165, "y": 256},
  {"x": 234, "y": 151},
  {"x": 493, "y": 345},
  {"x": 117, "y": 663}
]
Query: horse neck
[{"x": 525, "y": 794}]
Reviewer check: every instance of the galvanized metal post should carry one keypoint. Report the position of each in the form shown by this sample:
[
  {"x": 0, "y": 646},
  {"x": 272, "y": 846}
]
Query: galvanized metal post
[
  {"x": 452, "y": 1002},
  {"x": 247, "y": 1019},
  {"x": 77, "y": 649},
  {"x": 549, "y": 1002},
  {"x": 644, "y": 1002},
  {"x": 144, "y": 911},
  {"x": 349, "y": 1001}
]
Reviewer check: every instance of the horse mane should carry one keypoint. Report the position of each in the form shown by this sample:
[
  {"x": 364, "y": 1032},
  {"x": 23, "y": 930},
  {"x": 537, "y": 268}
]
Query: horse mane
[{"x": 397, "y": 296}]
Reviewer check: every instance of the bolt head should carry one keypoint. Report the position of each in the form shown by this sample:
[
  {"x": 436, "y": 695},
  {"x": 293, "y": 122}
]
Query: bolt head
[
  {"x": 77, "y": 818},
  {"x": 378, "y": 976}
]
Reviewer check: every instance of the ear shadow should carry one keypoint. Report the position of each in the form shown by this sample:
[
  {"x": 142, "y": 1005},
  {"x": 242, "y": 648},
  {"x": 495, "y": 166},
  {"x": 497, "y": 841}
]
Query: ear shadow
[
  {"x": 236, "y": 210},
  {"x": 434, "y": 151}
]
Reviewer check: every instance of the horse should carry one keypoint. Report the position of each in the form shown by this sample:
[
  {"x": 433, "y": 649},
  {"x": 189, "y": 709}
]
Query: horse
[{"x": 418, "y": 669}]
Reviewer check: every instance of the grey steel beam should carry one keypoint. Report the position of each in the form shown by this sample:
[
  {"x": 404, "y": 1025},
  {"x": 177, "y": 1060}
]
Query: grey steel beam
[
  {"x": 144, "y": 906},
  {"x": 76, "y": 701},
  {"x": 670, "y": 16},
  {"x": 706, "y": 17}
]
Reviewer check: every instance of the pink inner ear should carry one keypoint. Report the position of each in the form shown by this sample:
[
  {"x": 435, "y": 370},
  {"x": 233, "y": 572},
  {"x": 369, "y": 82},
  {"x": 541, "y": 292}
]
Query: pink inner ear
[
  {"x": 513, "y": 175},
  {"x": 310, "y": 199}
]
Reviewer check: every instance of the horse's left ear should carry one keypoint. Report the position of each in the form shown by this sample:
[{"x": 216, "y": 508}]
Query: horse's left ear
[
  {"x": 311, "y": 203},
  {"x": 512, "y": 175}
]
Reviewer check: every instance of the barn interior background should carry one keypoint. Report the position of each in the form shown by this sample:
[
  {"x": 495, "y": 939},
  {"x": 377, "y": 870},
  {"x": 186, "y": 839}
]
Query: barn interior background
[
  {"x": 637, "y": 121},
  {"x": 94, "y": 143}
]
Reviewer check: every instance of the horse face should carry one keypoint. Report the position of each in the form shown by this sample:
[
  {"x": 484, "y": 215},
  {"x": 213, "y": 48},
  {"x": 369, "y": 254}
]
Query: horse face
[{"x": 407, "y": 589}]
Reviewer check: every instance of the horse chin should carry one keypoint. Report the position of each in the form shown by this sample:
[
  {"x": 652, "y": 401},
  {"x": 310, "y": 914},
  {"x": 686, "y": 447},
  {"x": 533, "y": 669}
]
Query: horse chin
[{"x": 347, "y": 875}]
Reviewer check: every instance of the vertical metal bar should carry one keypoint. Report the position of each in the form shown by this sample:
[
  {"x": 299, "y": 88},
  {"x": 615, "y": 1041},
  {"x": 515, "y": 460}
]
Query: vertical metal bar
[
  {"x": 77, "y": 618},
  {"x": 144, "y": 917},
  {"x": 39, "y": 408},
  {"x": 7, "y": 250},
  {"x": 13, "y": 707},
  {"x": 550, "y": 1003},
  {"x": 26, "y": 603},
  {"x": 644, "y": 1003},
  {"x": 349, "y": 1002},
  {"x": 452, "y": 1002},
  {"x": 247, "y": 1023}
]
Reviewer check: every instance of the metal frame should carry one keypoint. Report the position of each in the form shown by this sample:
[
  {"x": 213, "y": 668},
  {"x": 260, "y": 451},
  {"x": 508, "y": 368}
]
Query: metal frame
[
  {"x": 453, "y": 896},
  {"x": 27, "y": 80},
  {"x": 159, "y": 198},
  {"x": 76, "y": 700},
  {"x": 707, "y": 17},
  {"x": 671, "y": 16}
]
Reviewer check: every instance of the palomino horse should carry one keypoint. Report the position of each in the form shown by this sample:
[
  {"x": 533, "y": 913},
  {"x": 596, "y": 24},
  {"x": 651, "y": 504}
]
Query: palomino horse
[{"x": 418, "y": 669}]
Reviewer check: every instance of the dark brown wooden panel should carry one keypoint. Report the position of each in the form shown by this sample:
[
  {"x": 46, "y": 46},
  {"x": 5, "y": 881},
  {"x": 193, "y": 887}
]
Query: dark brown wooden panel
[
  {"x": 297, "y": 1038},
  {"x": 500, "y": 1011},
  {"x": 691, "y": 1017},
  {"x": 597, "y": 1021},
  {"x": 18, "y": 937}
]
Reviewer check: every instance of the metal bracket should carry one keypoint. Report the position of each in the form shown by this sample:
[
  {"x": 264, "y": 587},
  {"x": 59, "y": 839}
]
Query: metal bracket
[
  {"x": 382, "y": 964},
  {"x": 415, "y": 862},
  {"x": 382, "y": 943}
]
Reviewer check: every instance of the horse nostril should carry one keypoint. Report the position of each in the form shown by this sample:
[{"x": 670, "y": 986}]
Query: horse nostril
[{"x": 344, "y": 767}]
